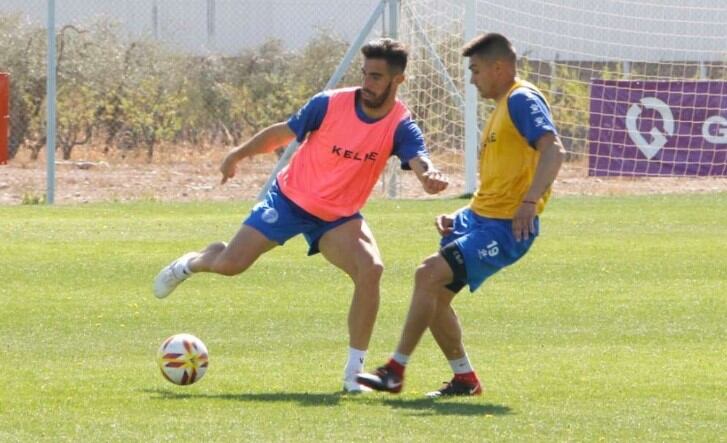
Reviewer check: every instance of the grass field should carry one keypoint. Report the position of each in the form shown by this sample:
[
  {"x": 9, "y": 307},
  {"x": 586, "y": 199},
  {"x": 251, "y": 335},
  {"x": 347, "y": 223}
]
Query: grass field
[{"x": 613, "y": 328}]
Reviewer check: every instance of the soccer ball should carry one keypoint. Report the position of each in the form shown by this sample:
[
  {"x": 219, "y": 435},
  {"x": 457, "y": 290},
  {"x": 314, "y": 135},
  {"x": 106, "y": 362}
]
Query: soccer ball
[{"x": 183, "y": 359}]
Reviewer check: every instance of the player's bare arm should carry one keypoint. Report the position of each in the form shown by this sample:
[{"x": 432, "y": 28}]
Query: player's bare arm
[
  {"x": 264, "y": 141},
  {"x": 432, "y": 180},
  {"x": 552, "y": 153}
]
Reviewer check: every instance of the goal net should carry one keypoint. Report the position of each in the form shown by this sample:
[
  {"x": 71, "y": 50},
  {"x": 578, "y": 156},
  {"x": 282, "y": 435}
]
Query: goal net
[{"x": 636, "y": 88}]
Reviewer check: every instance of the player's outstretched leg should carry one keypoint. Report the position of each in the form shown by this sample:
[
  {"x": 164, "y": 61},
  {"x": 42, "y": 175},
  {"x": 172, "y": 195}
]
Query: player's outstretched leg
[
  {"x": 179, "y": 270},
  {"x": 172, "y": 275},
  {"x": 220, "y": 258}
]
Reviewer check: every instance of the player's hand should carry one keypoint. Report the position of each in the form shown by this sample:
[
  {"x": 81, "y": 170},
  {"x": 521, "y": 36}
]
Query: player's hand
[
  {"x": 444, "y": 224},
  {"x": 228, "y": 168},
  {"x": 434, "y": 182},
  {"x": 523, "y": 224}
]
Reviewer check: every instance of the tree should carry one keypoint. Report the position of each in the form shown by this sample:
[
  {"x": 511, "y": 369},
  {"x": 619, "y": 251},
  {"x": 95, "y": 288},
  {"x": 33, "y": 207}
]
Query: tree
[{"x": 22, "y": 46}]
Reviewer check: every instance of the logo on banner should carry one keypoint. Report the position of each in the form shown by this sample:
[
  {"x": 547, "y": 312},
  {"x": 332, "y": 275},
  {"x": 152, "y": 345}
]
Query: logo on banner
[
  {"x": 658, "y": 138},
  {"x": 721, "y": 124}
]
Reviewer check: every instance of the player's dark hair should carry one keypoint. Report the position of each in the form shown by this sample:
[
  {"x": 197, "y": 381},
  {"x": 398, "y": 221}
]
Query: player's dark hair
[
  {"x": 492, "y": 46},
  {"x": 394, "y": 52}
]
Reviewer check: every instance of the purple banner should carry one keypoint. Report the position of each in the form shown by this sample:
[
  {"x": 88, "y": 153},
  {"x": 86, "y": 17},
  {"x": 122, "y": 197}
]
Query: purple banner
[{"x": 657, "y": 128}]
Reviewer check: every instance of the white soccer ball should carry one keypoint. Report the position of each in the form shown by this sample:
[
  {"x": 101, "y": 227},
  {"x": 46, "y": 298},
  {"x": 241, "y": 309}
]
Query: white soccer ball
[{"x": 183, "y": 359}]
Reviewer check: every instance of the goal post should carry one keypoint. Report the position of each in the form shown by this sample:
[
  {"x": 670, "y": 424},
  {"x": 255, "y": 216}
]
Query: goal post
[{"x": 4, "y": 116}]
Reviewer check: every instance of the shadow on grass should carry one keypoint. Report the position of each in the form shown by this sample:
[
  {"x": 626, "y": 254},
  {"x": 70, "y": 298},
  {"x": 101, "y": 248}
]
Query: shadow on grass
[
  {"x": 425, "y": 406},
  {"x": 302, "y": 398},
  {"x": 422, "y": 406}
]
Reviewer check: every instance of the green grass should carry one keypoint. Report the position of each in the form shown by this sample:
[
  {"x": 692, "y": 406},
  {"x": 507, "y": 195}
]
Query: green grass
[{"x": 613, "y": 328}]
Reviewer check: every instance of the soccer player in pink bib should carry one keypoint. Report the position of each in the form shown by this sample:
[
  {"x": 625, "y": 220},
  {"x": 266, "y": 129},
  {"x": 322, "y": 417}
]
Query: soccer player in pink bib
[{"x": 347, "y": 136}]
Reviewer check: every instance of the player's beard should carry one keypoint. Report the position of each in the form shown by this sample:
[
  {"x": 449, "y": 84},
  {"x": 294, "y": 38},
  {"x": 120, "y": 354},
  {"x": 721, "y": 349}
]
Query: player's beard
[{"x": 378, "y": 100}]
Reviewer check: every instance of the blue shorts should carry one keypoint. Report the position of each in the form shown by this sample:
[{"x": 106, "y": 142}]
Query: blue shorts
[
  {"x": 279, "y": 219},
  {"x": 485, "y": 246}
]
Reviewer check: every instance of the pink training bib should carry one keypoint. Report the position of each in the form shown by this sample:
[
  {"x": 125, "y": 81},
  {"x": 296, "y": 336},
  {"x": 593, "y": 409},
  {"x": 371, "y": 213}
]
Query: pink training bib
[{"x": 335, "y": 169}]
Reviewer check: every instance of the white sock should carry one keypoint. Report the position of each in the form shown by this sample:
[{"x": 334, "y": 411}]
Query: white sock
[
  {"x": 400, "y": 358},
  {"x": 355, "y": 363},
  {"x": 461, "y": 365}
]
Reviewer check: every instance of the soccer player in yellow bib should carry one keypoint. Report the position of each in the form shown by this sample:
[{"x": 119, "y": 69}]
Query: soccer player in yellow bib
[{"x": 520, "y": 156}]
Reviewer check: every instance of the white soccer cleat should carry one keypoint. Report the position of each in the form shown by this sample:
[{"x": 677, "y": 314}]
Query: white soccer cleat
[
  {"x": 171, "y": 276},
  {"x": 351, "y": 386}
]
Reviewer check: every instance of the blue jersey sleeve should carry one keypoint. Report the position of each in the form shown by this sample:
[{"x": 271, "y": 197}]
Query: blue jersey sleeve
[
  {"x": 408, "y": 142},
  {"x": 309, "y": 117},
  {"x": 530, "y": 114}
]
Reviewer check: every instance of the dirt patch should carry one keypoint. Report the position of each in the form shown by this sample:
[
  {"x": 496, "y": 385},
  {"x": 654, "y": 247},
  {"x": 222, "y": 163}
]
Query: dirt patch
[{"x": 193, "y": 176}]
